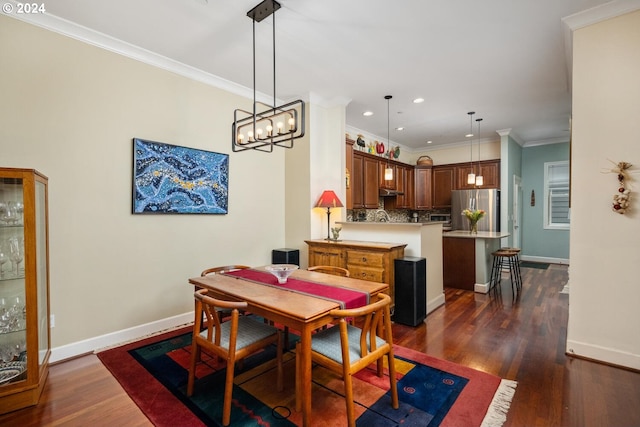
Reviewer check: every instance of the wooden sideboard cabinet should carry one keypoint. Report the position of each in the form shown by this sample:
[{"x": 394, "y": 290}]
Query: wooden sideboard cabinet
[{"x": 371, "y": 261}]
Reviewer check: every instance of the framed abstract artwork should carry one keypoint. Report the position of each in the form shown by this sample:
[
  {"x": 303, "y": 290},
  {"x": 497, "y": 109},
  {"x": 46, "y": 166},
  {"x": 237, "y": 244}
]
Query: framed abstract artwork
[{"x": 169, "y": 179}]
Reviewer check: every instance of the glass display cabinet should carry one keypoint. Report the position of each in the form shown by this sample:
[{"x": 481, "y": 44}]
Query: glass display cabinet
[{"x": 24, "y": 288}]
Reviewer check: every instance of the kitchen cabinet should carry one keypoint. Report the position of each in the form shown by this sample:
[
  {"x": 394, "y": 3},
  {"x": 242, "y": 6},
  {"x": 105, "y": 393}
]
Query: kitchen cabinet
[
  {"x": 357, "y": 181},
  {"x": 364, "y": 180},
  {"x": 458, "y": 266},
  {"x": 443, "y": 180},
  {"x": 423, "y": 188},
  {"x": 405, "y": 184},
  {"x": 348, "y": 173},
  {"x": 24, "y": 288},
  {"x": 371, "y": 261},
  {"x": 489, "y": 169},
  {"x": 389, "y": 184},
  {"x": 370, "y": 178},
  {"x": 462, "y": 171},
  {"x": 409, "y": 188}
]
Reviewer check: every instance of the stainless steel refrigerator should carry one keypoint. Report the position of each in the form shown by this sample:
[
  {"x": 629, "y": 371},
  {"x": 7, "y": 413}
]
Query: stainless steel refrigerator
[{"x": 485, "y": 199}]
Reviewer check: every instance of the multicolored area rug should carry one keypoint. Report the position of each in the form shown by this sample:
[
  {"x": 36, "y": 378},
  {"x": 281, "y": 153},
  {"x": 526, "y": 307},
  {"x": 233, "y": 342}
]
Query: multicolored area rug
[{"x": 432, "y": 392}]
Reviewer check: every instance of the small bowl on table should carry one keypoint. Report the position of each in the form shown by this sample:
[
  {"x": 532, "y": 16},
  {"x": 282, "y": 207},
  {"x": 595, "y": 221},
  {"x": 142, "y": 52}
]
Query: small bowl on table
[{"x": 281, "y": 271}]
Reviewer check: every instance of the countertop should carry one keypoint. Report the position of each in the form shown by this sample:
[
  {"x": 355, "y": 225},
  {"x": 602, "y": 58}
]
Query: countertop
[
  {"x": 480, "y": 235},
  {"x": 412, "y": 224}
]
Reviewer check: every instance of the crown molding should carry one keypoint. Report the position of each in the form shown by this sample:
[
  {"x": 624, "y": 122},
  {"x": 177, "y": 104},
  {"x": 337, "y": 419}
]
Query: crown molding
[
  {"x": 511, "y": 134},
  {"x": 545, "y": 142},
  {"x": 106, "y": 42},
  {"x": 589, "y": 17}
]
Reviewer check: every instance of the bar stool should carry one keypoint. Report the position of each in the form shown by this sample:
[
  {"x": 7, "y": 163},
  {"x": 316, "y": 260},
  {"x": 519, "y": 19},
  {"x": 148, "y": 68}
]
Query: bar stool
[
  {"x": 505, "y": 259},
  {"x": 517, "y": 264}
]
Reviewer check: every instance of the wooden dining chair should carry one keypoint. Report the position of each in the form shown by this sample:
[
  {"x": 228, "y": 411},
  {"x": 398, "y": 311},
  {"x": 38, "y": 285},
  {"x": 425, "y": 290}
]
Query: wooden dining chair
[
  {"x": 223, "y": 269},
  {"x": 346, "y": 349},
  {"x": 232, "y": 340},
  {"x": 330, "y": 269}
]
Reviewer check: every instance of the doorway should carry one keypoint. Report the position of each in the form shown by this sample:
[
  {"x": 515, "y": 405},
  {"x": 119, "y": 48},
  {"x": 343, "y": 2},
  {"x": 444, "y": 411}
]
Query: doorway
[{"x": 516, "y": 231}]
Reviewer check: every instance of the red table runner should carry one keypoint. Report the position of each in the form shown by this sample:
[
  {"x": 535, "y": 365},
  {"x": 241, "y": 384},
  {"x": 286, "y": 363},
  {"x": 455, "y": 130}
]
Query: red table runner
[{"x": 347, "y": 298}]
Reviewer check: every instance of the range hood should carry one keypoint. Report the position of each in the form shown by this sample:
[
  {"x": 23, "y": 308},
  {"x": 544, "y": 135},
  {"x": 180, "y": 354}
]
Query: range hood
[{"x": 385, "y": 192}]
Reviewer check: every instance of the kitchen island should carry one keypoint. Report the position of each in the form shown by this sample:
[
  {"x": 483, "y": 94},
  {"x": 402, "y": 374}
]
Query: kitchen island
[
  {"x": 468, "y": 260},
  {"x": 423, "y": 239}
]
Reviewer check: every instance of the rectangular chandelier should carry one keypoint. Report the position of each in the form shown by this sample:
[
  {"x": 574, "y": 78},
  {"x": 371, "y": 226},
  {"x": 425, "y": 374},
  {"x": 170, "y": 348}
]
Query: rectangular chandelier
[{"x": 267, "y": 125}]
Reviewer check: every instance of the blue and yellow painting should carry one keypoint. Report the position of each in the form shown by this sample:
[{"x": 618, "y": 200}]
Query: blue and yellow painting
[{"x": 178, "y": 180}]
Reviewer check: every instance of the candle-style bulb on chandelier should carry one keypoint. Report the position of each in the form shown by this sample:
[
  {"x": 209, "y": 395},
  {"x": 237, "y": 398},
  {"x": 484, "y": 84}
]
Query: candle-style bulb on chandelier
[{"x": 267, "y": 125}]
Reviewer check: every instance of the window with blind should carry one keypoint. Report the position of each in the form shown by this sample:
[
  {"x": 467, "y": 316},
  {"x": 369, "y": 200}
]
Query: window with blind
[{"x": 556, "y": 191}]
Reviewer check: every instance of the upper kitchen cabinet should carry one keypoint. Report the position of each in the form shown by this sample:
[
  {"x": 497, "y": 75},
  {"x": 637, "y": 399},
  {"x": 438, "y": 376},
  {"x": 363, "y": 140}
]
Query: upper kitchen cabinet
[
  {"x": 389, "y": 184},
  {"x": 348, "y": 173},
  {"x": 443, "y": 181},
  {"x": 364, "y": 181},
  {"x": 423, "y": 188},
  {"x": 489, "y": 169},
  {"x": 24, "y": 288},
  {"x": 405, "y": 184}
]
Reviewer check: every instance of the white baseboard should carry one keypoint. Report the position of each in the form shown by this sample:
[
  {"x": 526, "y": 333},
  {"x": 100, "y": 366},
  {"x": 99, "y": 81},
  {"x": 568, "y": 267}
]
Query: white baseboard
[
  {"x": 544, "y": 259},
  {"x": 90, "y": 345},
  {"x": 481, "y": 288},
  {"x": 435, "y": 303},
  {"x": 603, "y": 354}
]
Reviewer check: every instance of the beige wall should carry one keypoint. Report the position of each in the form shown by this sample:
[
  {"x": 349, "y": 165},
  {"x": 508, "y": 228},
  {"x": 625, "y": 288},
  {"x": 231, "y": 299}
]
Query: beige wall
[
  {"x": 70, "y": 110},
  {"x": 604, "y": 309},
  {"x": 489, "y": 150}
]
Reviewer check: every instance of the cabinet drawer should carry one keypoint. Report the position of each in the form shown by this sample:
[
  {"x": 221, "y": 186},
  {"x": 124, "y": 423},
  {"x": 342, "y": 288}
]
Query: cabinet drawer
[
  {"x": 364, "y": 273},
  {"x": 370, "y": 259},
  {"x": 326, "y": 252}
]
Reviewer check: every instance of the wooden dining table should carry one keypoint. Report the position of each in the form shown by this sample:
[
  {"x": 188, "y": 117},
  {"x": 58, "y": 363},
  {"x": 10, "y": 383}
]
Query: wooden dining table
[{"x": 299, "y": 311}]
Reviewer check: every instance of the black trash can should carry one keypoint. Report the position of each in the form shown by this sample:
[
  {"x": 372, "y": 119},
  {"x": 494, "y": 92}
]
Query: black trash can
[
  {"x": 285, "y": 256},
  {"x": 410, "y": 290}
]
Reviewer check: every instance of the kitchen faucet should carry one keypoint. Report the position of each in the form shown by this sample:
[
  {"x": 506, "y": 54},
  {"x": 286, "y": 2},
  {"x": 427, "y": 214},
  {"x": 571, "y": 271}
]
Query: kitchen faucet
[{"x": 385, "y": 216}]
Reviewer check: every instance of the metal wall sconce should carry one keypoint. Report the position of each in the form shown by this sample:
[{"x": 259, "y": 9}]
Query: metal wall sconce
[{"x": 267, "y": 125}]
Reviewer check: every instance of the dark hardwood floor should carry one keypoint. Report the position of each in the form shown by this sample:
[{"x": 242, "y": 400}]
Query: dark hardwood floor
[{"x": 522, "y": 340}]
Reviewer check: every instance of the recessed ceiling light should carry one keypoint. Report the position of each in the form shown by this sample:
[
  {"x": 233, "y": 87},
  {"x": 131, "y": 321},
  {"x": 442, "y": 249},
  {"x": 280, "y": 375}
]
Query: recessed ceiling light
[
  {"x": 367, "y": 113},
  {"x": 418, "y": 100},
  {"x": 429, "y": 142},
  {"x": 399, "y": 128}
]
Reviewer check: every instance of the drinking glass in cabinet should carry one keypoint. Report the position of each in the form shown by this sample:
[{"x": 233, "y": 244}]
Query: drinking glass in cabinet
[
  {"x": 4, "y": 256},
  {"x": 16, "y": 253},
  {"x": 11, "y": 212}
]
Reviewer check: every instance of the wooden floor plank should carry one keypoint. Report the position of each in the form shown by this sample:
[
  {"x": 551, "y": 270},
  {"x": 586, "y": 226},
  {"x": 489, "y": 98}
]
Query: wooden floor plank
[{"x": 522, "y": 340}]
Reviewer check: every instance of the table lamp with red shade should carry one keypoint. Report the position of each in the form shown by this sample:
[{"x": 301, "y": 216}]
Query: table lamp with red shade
[{"x": 328, "y": 200}]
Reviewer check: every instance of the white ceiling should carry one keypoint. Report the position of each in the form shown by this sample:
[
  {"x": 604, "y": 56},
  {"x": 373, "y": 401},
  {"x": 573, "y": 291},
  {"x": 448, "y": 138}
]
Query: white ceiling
[{"x": 504, "y": 59}]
